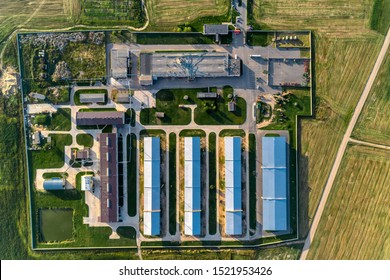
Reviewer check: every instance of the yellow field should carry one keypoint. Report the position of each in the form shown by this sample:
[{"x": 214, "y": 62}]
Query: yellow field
[
  {"x": 166, "y": 14},
  {"x": 355, "y": 223},
  {"x": 374, "y": 122},
  {"x": 332, "y": 17}
]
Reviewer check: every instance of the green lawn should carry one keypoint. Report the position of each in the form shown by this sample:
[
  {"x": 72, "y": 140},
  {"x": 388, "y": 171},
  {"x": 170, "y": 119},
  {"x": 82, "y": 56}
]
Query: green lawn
[
  {"x": 84, "y": 139},
  {"x": 172, "y": 183},
  {"x": 207, "y": 112},
  {"x": 215, "y": 112},
  {"x": 130, "y": 117},
  {"x": 172, "y": 38},
  {"x": 212, "y": 184},
  {"x": 232, "y": 132},
  {"x": 61, "y": 120},
  {"x": 132, "y": 174},
  {"x": 263, "y": 39},
  {"x": 168, "y": 101},
  {"x": 192, "y": 133},
  {"x": 49, "y": 175},
  {"x": 52, "y": 158}
]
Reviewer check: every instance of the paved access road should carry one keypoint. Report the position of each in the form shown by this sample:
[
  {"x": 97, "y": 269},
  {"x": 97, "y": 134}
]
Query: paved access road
[{"x": 343, "y": 146}]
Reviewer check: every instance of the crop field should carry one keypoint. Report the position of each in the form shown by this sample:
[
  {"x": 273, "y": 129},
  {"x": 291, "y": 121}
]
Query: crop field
[
  {"x": 331, "y": 17},
  {"x": 357, "y": 209},
  {"x": 167, "y": 14},
  {"x": 373, "y": 124}
]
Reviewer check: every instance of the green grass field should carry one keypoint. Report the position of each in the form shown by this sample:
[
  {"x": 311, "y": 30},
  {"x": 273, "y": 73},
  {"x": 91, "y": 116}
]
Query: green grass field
[
  {"x": 167, "y": 14},
  {"x": 84, "y": 139},
  {"x": 172, "y": 183},
  {"x": 343, "y": 67},
  {"x": 356, "y": 220},
  {"x": 331, "y": 17},
  {"x": 373, "y": 124}
]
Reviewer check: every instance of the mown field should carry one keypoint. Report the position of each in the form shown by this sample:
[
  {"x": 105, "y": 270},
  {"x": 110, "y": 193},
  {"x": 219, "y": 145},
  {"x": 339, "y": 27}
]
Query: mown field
[
  {"x": 331, "y": 17},
  {"x": 342, "y": 69},
  {"x": 167, "y": 14},
  {"x": 374, "y": 122},
  {"x": 355, "y": 223}
]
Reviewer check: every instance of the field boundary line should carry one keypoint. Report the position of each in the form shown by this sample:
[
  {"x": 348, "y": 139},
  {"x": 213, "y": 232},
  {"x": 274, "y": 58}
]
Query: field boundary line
[{"x": 343, "y": 146}]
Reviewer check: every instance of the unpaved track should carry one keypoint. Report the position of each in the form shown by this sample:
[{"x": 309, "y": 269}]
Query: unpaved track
[{"x": 343, "y": 146}]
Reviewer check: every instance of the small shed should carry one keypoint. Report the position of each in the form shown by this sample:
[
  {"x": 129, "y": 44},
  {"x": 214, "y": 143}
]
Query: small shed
[
  {"x": 160, "y": 115},
  {"x": 86, "y": 182},
  {"x": 36, "y": 138},
  {"x": 231, "y": 106},
  {"x": 82, "y": 154},
  {"x": 54, "y": 184},
  {"x": 203, "y": 95}
]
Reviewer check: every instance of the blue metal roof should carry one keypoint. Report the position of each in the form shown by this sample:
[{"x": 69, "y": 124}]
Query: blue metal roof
[
  {"x": 274, "y": 152},
  {"x": 192, "y": 199},
  {"x": 152, "y": 223},
  {"x": 274, "y": 215},
  {"x": 233, "y": 173},
  {"x": 233, "y": 148},
  {"x": 233, "y": 199},
  {"x": 274, "y": 183},
  {"x": 275, "y": 199},
  {"x": 151, "y": 199},
  {"x": 192, "y": 224},
  {"x": 233, "y": 223},
  {"x": 152, "y": 148},
  {"x": 53, "y": 184},
  {"x": 192, "y": 148}
]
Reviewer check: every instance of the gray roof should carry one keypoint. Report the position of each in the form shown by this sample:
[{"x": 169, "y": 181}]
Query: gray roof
[
  {"x": 54, "y": 184},
  {"x": 146, "y": 64},
  {"x": 100, "y": 118},
  {"x": 118, "y": 61},
  {"x": 122, "y": 97},
  {"x": 108, "y": 178},
  {"x": 92, "y": 97},
  {"x": 212, "y": 29}
]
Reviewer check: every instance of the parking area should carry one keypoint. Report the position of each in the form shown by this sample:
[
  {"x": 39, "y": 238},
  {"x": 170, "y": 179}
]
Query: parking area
[{"x": 286, "y": 72}]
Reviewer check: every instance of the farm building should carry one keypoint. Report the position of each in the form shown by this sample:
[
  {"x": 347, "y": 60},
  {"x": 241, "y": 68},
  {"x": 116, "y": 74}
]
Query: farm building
[
  {"x": 108, "y": 178},
  {"x": 214, "y": 29},
  {"x": 86, "y": 182},
  {"x": 54, "y": 184},
  {"x": 233, "y": 202},
  {"x": 275, "y": 191},
  {"x": 152, "y": 207},
  {"x": 100, "y": 118},
  {"x": 189, "y": 65},
  {"x": 92, "y": 97},
  {"x": 192, "y": 186},
  {"x": 119, "y": 63}
]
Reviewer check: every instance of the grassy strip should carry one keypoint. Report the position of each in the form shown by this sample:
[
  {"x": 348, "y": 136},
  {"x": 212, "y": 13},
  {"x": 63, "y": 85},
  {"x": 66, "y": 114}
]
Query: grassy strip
[
  {"x": 49, "y": 175},
  {"x": 263, "y": 39},
  {"x": 232, "y": 132},
  {"x": 84, "y": 139},
  {"x": 172, "y": 183},
  {"x": 252, "y": 183},
  {"x": 212, "y": 184},
  {"x": 192, "y": 133},
  {"x": 97, "y": 110},
  {"x": 132, "y": 175},
  {"x": 380, "y": 19},
  {"x": 173, "y": 38}
]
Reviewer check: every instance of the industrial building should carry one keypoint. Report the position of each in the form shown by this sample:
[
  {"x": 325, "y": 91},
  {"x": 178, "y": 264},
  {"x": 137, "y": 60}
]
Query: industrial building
[
  {"x": 275, "y": 187},
  {"x": 152, "y": 184},
  {"x": 92, "y": 97},
  {"x": 215, "y": 29},
  {"x": 192, "y": 186},
  {"x": 120, "y": 63},
  {"x": 86, "y": 182},
  {"x": 233, "y": 188},
  {"x": 188, "y": 65},
  {"x": 100, "y": 118},
  {"x": 108, "y": 178},
  {"x": 54, "y": 184}
]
